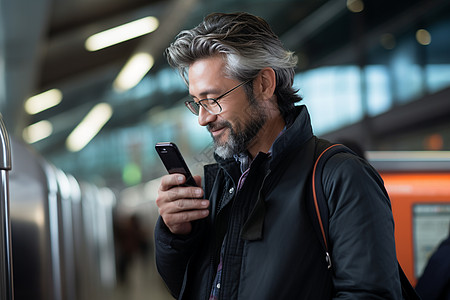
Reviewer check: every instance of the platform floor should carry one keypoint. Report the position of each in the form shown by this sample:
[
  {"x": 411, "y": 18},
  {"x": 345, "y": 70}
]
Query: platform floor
[{"x": 142, "y": 282}]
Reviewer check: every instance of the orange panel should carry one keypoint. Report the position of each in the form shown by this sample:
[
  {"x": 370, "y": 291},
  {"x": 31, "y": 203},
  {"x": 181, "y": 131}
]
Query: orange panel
[{"x": 406, "y": 190}]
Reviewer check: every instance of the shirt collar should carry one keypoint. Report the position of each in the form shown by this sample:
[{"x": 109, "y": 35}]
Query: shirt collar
[{"x": 244, "y": 158}]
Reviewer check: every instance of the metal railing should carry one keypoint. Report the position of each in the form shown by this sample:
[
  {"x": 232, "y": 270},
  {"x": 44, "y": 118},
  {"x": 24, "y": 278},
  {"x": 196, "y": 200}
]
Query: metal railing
[{"x": 6, "y": 278}]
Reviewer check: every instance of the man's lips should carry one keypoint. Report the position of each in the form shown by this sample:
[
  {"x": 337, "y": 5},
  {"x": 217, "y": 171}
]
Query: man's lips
[{"x": 217, "y": 131}]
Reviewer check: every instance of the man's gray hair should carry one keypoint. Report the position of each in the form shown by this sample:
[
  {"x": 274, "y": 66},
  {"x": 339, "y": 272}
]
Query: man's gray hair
[{"x": 248, "y": 45}]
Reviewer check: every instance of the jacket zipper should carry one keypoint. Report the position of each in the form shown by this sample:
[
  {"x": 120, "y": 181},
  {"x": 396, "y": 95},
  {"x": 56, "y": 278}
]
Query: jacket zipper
[{"x": 213, "y": 270}]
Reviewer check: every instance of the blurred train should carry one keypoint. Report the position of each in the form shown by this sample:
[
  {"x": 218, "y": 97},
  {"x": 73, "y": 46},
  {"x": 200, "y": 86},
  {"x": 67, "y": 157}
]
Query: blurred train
[
  {"x": 418, "y": 184},
  {"x": 62, "y": 230}
]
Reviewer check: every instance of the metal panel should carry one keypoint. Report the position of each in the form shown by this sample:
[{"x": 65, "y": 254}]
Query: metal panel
[
  {"x": 65, "y": 225},
  {"x": 97, "y": 232},
  {"x": 34, "y": 226}
]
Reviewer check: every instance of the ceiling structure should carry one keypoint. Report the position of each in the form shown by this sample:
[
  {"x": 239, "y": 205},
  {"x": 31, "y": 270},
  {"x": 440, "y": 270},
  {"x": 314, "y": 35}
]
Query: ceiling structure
[{"x": 42, "y": 46}]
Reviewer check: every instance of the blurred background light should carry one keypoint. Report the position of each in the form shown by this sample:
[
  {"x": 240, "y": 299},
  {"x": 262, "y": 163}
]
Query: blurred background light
[
  {"x": 89, "y": 127},
  {"x": 37, "y": 131},
  {"x": 121, "y": 33},
  {"x": 355, "y": 6},
  {"x": 133, "y": 72},
  {"x": 43, "y": 101},
  {"x": 131, "y": 174},
  {"x": 423, "y": 37}
]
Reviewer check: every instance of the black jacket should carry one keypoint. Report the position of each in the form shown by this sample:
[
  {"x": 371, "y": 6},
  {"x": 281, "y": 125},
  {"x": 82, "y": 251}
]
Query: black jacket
[{"x": 271, "y": 248}]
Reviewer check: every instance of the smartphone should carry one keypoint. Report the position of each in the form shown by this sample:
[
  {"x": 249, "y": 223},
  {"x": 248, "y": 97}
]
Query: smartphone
[{"x": 174, "y": 162}]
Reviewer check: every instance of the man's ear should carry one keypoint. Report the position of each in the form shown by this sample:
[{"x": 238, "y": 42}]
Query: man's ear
[{"x": 266, "y": 83}]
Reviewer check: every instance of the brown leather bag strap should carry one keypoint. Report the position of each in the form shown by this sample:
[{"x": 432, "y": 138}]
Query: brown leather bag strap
[{"x": 320, "y": 202}]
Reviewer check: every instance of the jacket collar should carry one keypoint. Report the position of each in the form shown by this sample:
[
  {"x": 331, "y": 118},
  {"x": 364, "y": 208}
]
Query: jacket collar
[{"x": 294, "y": 136}]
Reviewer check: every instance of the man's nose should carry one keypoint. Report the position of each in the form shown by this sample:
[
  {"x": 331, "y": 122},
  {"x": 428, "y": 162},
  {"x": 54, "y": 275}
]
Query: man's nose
[{"x": 205, "y": 117}]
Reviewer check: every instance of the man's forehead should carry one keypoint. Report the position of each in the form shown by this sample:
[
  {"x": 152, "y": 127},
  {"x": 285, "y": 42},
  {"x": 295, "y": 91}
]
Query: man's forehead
[
  {"x": 212, "y": 64},
  {"x": 206, "y": 76}
]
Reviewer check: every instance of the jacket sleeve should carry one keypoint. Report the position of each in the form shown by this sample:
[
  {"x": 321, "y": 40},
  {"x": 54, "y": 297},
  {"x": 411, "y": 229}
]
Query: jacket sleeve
[
  {"x": 361, "y": 231},
  {"x": 172, "y": 253}
]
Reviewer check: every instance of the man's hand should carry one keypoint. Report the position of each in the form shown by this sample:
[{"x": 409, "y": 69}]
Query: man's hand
[{"x": 179, "y": 205}]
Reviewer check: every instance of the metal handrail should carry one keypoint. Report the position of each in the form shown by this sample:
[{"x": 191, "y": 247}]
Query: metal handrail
[
  {"x": 6, "y": 277},
  {"x": 5, "y": 147}
]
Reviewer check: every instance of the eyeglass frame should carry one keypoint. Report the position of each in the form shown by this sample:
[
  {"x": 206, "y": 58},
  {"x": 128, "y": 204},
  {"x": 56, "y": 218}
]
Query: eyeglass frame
[{"x": 189, "y": 103}]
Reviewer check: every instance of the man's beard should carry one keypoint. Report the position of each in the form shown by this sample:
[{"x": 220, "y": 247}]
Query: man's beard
[{"x": 240, "y": 138}]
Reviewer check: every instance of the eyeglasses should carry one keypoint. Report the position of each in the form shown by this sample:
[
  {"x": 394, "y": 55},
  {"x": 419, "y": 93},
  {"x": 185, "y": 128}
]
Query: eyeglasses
[{"x": 211, "y": 105}]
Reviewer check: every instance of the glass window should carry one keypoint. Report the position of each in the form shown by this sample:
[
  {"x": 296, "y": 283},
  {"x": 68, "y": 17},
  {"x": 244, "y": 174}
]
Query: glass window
[
  {"x": 438, "y": 57},
  {"x": 407, "y": 74},
  {"x": 332, "y": 95},
  {"x": 379, "y": 96},
  {"x": 438, "y": 77}
]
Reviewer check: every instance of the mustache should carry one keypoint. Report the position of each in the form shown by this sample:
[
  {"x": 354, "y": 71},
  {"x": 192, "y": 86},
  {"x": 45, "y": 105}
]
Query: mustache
[{"x": 221, "y": 124}]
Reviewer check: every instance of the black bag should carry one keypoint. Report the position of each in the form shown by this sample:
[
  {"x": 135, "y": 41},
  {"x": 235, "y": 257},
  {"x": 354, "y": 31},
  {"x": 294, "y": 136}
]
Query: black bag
[{"x": 321, "y": 209}]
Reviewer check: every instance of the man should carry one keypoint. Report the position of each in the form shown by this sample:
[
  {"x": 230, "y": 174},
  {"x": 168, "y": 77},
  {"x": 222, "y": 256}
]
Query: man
[{"x": 248, "y": 234}]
